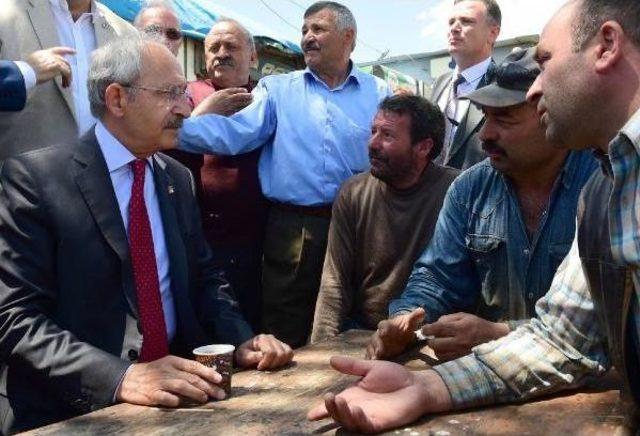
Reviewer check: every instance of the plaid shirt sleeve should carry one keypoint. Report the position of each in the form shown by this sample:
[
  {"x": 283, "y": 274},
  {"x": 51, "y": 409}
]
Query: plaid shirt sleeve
[{"x": 553, "y": 351}]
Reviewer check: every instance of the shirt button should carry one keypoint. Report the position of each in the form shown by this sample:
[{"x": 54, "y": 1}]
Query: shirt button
[
  {"x": 133, "y": 355},
  {"x": 531, "y": 296}
]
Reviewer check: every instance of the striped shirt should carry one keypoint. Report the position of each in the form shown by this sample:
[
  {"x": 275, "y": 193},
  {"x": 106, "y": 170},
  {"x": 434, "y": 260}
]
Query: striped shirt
[{"x": 564, "y": 343}]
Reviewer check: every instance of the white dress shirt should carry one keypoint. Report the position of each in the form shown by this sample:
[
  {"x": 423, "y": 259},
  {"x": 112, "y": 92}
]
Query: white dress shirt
[
  {"x": 28, "y": 74},
  {"x": 472, "y": 76},
  {"x": 79, "y": 35},
  {"x": 118, "y": 158}
]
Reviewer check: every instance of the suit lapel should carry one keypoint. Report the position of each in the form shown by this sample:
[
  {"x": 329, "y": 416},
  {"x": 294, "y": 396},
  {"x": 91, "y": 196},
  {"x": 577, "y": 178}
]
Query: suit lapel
[
  {"x": 472, "y": 120},
  {"x": 440, "y": 87},
  {"x": 103, "y": 30},
  {"x": 44, "y": 27},
  {"x": 94, "y": 182},
  {"x": 178, "y": 268}
]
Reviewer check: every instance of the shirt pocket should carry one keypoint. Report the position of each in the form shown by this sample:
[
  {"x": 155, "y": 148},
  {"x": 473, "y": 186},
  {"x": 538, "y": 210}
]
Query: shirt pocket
[
  {"x": 557, "y": 253},
  {"x": 488, "y": 254},
  {"x": 358, "y": 153}
]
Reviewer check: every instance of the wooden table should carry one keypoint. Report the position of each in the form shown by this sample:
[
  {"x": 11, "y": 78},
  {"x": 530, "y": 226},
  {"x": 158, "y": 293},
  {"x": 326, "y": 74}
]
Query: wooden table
[{"x": 277, "y": 403}]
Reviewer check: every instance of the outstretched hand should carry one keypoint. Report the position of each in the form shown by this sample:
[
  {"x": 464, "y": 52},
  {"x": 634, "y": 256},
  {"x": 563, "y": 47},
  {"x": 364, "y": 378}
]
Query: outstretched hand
[{"x": 387, "y": 396}]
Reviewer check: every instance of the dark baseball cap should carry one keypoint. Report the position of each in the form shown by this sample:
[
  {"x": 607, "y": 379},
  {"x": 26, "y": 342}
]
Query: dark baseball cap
[{"x": 510, "y": 81}]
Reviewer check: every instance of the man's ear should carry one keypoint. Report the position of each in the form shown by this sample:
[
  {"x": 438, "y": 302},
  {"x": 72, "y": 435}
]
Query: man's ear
[
  {"x": 608, "y": 46},
  {"x": 116, "y": 99},
  {"x": 253, "y": 63},
  {"x": 350, "y": 34},
  {"x": 494, "y": 32},
  {"x": 423, "y": 148}
]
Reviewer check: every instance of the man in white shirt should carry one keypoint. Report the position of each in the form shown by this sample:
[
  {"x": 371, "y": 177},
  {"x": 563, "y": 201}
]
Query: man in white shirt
[
  {"x": 54, "y": 113},
  {"x": 474, "y": 26}
]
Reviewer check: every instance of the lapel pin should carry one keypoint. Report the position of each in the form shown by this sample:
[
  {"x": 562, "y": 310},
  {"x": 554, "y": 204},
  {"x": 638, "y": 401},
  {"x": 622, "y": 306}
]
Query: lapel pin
[{"x": 171, "y": 189}]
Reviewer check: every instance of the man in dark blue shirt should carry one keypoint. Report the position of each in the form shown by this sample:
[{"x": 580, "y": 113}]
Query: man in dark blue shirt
[{"x": 505, "y": 226}]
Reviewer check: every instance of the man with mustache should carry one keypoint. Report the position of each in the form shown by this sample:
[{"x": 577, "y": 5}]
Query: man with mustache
[
  {"x": 382, "y": 219},
  {"x": 588, "y": 321},
  {"x": 505, "y": 226},
  {"x": 232, "y": 206},
  {"x": 312, "y": 128},
  {"x": 105, "y": 276},
  {"x": 474, "y": 26}
]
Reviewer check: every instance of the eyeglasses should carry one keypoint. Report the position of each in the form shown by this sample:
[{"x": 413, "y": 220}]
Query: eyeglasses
[
  {"x": 170, "y": 33},
  {"x": 172, "y": 94}
]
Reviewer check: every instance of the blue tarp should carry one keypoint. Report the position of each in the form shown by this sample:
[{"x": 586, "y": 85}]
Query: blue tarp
[{"x": 197, "y": 17}]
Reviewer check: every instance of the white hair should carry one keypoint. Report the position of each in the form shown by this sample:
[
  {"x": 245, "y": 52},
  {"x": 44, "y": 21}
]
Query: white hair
[
  {"x": 119, "y": 61},
  {"x": 245, "y": 32},
  {"x": 152, "y": 4}
]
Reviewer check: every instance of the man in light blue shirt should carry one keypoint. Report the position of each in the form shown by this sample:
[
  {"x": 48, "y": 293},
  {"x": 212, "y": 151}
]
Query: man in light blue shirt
[{"x": 313, "y": 127}]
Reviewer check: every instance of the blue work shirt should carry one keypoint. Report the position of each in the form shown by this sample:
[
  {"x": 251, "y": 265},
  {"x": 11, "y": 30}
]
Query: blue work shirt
[
  {"x": 313, "y": 137},
  {"x": 480, "y": 259}
]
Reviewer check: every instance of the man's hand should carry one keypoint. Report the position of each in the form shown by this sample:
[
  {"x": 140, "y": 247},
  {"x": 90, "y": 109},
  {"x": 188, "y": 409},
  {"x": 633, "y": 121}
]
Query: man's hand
[
  {"x": 169, "y": 382},
  {"x": 224, "y": 102},
  {"x": 394, "y": 335},
  {"x": 50, "y": 62},
  {"x": 457, "y": 333},
  {"x": 265, "y": 351},
  {"x": 386, "y": 397}
]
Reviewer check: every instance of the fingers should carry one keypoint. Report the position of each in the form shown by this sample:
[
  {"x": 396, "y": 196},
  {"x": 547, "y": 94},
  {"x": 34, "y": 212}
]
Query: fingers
[
  {"x": 416, "y": 318},
  {"x": 62, "y": 51},
  {"x": 441, "y": 328},
  {"x": 212, "y": 390},
  {"x": 351, "y": 418},
  {"x": 196, "y": 368},
  {"x": 349, "y": 365},
  {"x": 445, "y": 345},
  {"x": 274, "y": 352},
  {"x": 317, "y": 413},
  {"x": 375, "y": 349},
  {"x": 184, "y": 389}
]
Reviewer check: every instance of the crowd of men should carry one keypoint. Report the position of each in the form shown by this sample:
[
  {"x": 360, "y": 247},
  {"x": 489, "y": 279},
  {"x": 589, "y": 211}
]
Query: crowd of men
[{"x": 142, "y": 216}]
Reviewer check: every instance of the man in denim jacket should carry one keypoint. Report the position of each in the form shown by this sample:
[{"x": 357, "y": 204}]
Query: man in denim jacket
[{"x": 505, "y": 226}]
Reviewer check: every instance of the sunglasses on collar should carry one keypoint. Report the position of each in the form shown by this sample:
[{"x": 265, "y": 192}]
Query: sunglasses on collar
[{"x": 169, "y": 32}]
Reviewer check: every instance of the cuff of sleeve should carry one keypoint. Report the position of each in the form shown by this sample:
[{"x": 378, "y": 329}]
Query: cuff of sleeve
[
  {"x": 516, "y": 323},
  {"x": 28, "y": 74},
  {"x": 470, "y": 383},
  {"x": 114, "y": 399}
]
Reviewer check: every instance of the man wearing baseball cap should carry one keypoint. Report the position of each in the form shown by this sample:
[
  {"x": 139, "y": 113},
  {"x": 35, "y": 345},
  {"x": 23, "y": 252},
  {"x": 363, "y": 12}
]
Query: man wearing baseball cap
[{"x": 505, "y": 226}]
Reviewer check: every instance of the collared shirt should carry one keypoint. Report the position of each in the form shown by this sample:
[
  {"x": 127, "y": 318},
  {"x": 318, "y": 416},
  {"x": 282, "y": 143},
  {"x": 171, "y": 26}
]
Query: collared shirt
[
  {"x": 472, "y": 77},
  {"x": 80, "y": 36},
  {"x": 313, "y": 137},
  {"x": 565, "y": 342},
  {"x": 118, "y": 158},
  {"x": 481, "y": 260}
]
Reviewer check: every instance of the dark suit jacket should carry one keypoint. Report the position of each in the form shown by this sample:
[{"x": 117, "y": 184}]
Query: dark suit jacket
[
  {"x": 13, "y": 94},
  {"x": 466, "y": 149},
  {"x": 68, "y": 310}
]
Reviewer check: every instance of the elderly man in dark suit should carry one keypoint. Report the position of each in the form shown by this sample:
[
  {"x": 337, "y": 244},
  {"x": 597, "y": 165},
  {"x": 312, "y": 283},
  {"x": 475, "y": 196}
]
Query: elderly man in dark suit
[
  {"x": 474, "y": 26},
  {"x": 105, "y": 278}
]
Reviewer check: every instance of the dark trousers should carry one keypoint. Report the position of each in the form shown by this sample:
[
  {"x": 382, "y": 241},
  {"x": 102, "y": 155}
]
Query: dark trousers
[
  {"x": 242, "y": 266},
  {"x": 294, "y": 250}
]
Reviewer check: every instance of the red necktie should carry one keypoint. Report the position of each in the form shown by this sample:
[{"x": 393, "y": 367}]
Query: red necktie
[{"x": 145, "y": 272}]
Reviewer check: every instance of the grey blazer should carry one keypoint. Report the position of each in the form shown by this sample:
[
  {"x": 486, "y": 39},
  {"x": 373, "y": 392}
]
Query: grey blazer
[
  {"x": 466, "y": 149},
  {"x": 49, "y": 115},
  {"x": 68, "y": 306}
]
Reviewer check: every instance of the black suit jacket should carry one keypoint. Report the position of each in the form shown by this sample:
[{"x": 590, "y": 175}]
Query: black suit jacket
[
  {"x": 68, "y": 309},
  {"x": 466, "y": 149},
  {"x": 13, "y": 94}
]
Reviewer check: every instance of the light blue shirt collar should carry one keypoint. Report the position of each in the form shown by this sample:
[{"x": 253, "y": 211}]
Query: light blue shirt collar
[
  {"x": 354, "y": 74},
  {"x": 115, "y": 154},
  {"x": 475, "y": 72}
]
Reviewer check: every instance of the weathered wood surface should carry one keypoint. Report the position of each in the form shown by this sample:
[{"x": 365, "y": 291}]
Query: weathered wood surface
[{"x": 277, "y": 402}]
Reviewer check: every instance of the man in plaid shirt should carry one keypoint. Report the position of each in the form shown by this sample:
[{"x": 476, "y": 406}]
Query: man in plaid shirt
[{"x": 588, "y": 95}]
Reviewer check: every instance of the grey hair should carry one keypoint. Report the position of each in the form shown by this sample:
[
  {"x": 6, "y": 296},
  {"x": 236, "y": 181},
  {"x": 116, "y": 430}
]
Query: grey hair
[
  {"x": 592, "y": 14},
  {"x": 344, "y": 17},
  {"x": 119, "y": 61},
  {"x": 152, "y": 4},
  {"x": 245, "y": 32}
]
